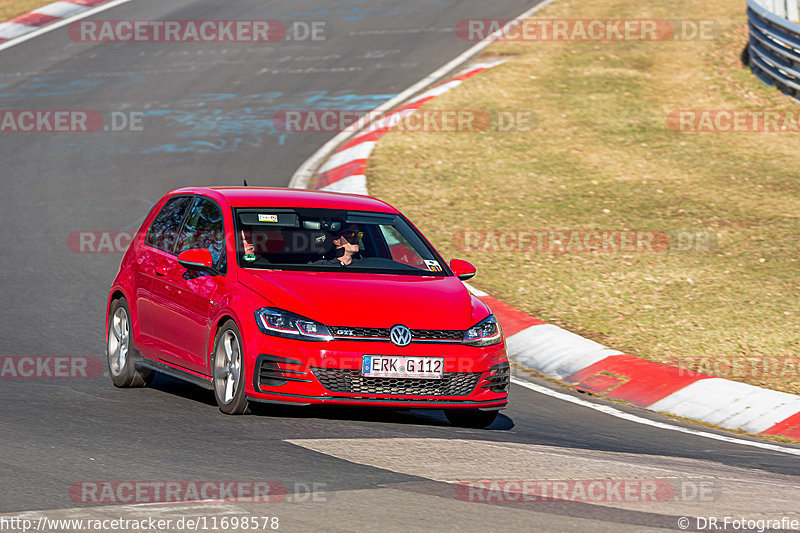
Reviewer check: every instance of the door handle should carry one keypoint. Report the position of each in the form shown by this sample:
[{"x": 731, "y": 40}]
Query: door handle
[{"x": 161, "y": 271}]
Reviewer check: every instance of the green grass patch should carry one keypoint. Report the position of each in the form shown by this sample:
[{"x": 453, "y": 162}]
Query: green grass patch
[{"x": 13, "y": 8}]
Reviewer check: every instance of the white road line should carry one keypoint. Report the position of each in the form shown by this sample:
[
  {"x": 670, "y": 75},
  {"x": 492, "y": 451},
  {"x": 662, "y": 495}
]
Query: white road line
[
  {"x": 306, "y": 171},
  {"x": 61, "y": 23},
  {"x": 644, "y": 421}
]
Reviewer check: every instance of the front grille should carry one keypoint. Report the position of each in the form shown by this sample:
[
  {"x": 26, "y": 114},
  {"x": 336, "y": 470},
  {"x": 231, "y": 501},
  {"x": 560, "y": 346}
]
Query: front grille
[
  {"x": 437, "y": 334},
  {"x": 419, "y": 335},
  {"x": 368, "y": 333},
  {"x": 351, "y": 382}
]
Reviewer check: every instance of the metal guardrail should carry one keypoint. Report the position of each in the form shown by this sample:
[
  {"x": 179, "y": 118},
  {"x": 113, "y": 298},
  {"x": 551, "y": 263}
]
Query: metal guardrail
[
  {"x": 788, "y": 9},
  {"x": 774, "y": 48}
]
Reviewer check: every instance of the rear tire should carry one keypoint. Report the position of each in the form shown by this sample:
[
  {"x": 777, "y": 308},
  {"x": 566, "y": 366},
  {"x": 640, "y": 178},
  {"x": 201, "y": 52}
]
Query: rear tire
[
  {"x": 229, "y": 371},
  {"x": 471, "y": 418},
  {"x": 120, "y": 350}
]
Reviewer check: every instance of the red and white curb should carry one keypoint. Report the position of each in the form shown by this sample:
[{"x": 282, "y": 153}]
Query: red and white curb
[
  {"x": 594, "y": 368},
  {"x": 45, "y": 16},
  {"x": 344, "y": 170},
  {"x": 565, "y": 356}
]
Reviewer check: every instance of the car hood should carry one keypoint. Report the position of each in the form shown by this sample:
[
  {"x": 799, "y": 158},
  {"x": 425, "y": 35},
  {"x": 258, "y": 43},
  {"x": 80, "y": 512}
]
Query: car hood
[{"x": 369, "y": 300}]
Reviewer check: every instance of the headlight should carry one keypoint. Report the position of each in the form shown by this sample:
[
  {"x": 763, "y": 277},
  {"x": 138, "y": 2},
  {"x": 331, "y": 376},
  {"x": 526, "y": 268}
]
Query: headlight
[
  {"x": 282, "y": 323},
  {"x": 484, "y": 333}
]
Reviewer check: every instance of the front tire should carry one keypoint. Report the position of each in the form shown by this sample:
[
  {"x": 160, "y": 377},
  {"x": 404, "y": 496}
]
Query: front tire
[
  {"x": 229, "y": 370},
  {"x": 120, "y": 350},
  {"x": 471, "y": 418}
]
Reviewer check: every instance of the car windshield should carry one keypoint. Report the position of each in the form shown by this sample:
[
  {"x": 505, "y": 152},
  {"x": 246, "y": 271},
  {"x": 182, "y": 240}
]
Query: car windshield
[{"x": 332, "y": 240}]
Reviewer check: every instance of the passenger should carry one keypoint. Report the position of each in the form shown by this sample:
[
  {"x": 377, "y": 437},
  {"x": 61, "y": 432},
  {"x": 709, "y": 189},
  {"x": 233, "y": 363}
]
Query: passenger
[{"x": 249, "y": 250}]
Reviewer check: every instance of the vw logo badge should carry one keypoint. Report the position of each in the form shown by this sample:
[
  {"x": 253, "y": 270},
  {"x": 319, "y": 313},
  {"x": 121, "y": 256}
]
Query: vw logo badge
[{"x": 400, "y": 335}]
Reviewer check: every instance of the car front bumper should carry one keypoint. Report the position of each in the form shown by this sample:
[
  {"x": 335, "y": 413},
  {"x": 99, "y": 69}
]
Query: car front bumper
[{"x": 288, "y": 371}]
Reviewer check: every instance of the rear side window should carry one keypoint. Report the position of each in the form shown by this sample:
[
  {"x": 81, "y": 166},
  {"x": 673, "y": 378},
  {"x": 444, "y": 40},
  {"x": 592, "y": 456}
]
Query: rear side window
[
  {"x": 204, "y": 229},
  {"x": 163, "y": 231}
]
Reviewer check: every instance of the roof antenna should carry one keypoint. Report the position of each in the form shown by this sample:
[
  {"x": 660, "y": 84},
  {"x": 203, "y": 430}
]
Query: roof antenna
[{"x": 245, "y": 182}]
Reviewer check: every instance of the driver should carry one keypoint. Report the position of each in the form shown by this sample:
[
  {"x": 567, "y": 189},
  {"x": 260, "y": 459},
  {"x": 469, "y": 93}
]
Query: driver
[{"x": 346, "y": 249}]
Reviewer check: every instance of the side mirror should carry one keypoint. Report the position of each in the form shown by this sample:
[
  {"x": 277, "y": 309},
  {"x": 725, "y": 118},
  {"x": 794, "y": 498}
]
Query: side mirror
[
  {"x": 197, "y": 259},
  {"x": 463, "y": 269}
]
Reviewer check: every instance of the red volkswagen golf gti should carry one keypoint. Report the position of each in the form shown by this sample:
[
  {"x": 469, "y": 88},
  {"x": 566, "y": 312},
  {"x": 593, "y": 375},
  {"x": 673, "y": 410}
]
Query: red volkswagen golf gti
[{"x": 302, "y": 297}]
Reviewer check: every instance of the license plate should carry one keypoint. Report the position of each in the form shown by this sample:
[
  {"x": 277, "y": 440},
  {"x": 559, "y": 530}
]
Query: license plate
[{"x": 394, "y": 366}]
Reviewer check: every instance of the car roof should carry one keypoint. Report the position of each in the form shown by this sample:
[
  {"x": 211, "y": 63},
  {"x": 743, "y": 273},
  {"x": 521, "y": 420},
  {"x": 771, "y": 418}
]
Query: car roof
[{"x": 283, "y": 197}]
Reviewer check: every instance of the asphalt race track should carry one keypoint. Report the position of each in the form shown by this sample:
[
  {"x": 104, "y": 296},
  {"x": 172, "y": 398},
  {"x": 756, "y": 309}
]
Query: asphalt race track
[{"x": 206, "y": 111}]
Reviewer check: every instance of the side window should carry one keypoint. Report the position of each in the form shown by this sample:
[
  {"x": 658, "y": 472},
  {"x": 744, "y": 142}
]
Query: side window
[
  {"x": 204, "y": 229},
  {"x": 163, "y": 231},
  {"x": 400, "y": 248}
]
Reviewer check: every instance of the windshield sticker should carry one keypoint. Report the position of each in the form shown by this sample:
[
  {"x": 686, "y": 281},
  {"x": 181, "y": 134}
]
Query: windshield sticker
[
  {"x": 249, "y": 257},
  {"x": 267, "y": 218},
  {"x": 433, "y": 266}
]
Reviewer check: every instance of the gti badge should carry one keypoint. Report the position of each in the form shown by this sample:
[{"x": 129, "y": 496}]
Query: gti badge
[{"x": 400, "y": 335}]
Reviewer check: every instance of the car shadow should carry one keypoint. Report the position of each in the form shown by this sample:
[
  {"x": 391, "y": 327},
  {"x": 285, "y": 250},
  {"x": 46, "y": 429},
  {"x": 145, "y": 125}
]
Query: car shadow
[
  {"x": 184, "y": 389},
  {"x": 424, "y": 417}
]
